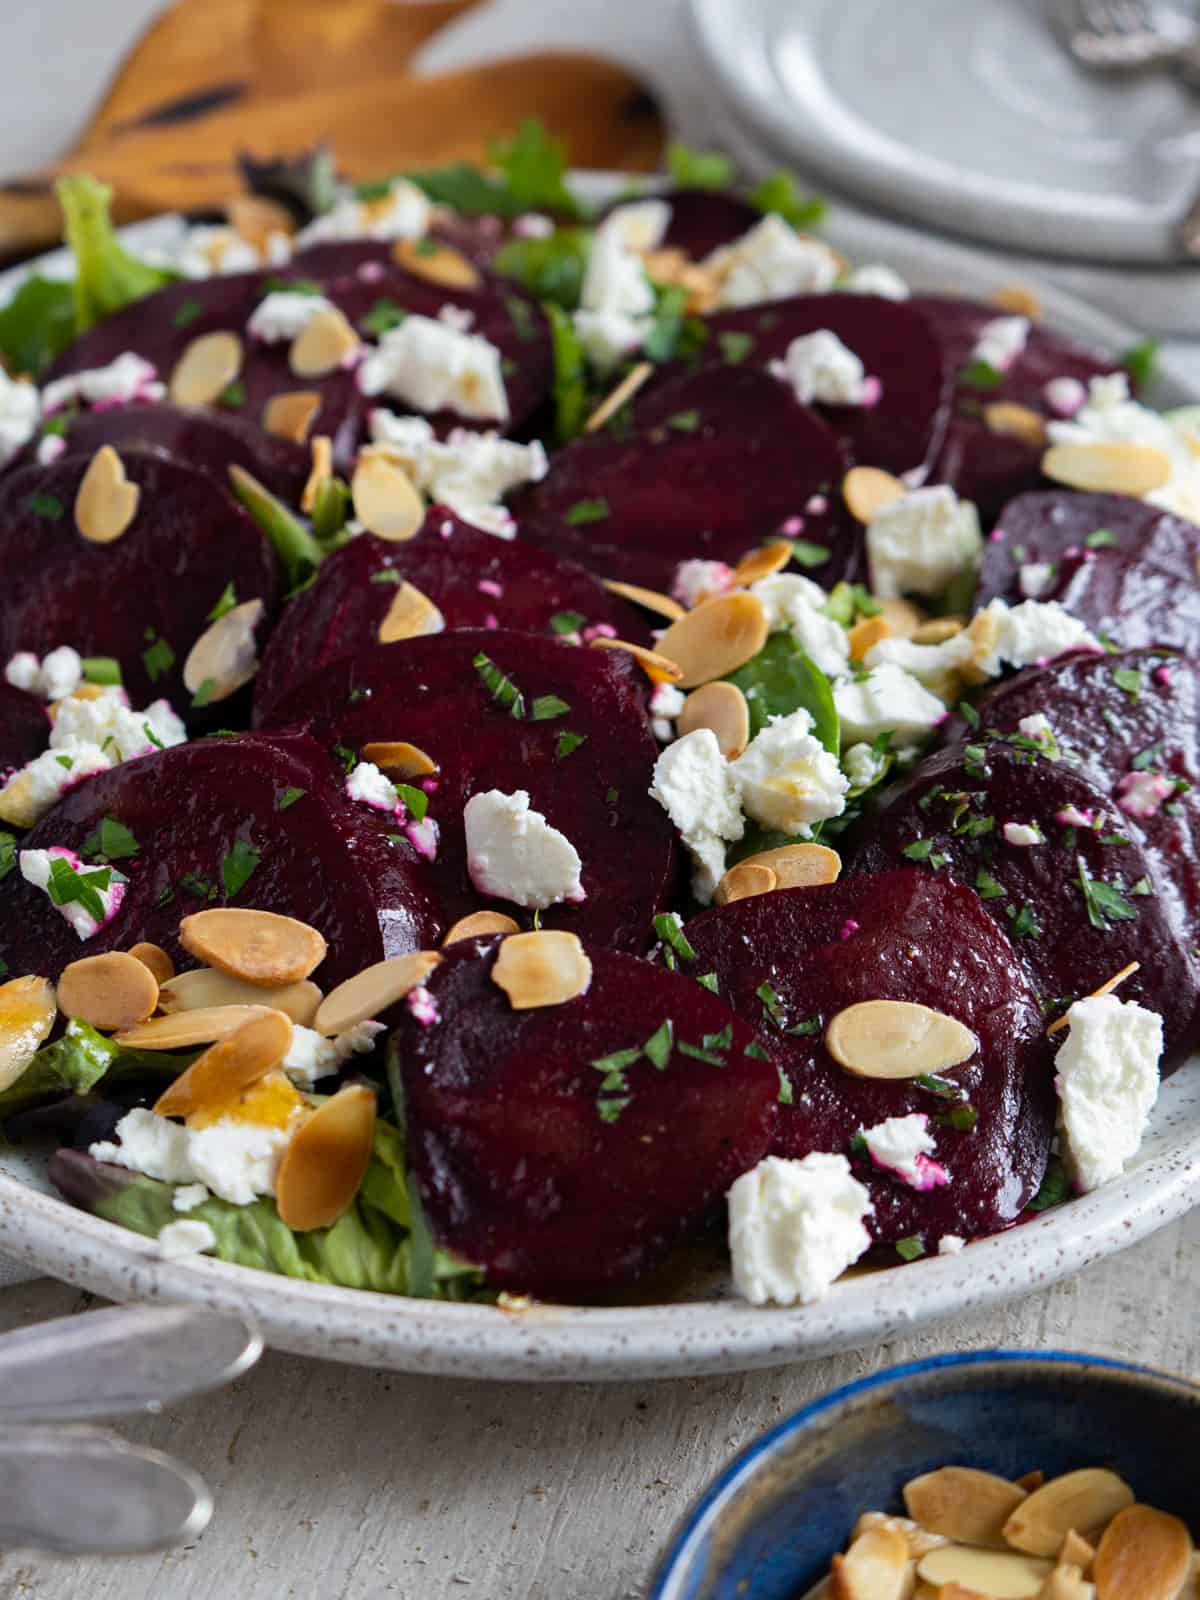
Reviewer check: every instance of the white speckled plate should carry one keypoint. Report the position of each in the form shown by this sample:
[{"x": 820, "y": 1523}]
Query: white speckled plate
[{"x": 682, "y": 1337}]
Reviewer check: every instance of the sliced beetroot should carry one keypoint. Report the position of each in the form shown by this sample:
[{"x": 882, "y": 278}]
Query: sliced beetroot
[
  {"x": 983, "y": 466},
  {"x": 475, "y": 579},
  {"x": 521, "y": 1168},
  {"x": 145, "y": 597},
  {"x": 702, "y": 220},
  {"x": 1125, "y": 568},
  {"x": 788, "y": 962},
  {"x": 903, "y": 430},
  {"x": 195, "y": 811},
  {"x": 711, "y": 464},
  {"x": 951, "y": 814},
  {"x": 24, "y": 727},
  {"x": 428, "y": 692}
]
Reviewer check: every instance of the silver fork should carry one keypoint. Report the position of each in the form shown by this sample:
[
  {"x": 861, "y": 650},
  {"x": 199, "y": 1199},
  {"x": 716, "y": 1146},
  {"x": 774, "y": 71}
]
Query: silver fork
[{"x": 1130, "y": 36}]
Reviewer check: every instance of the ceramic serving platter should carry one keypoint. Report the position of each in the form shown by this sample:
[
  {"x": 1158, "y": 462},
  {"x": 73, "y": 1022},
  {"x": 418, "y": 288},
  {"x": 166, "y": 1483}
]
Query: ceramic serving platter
[{"x": 702, "y": 1329}]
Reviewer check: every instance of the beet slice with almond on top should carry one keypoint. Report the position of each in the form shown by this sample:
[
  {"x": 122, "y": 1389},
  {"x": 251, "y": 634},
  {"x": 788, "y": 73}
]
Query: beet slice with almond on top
[
  {"x": 789, "y": 962},
  {"x": 1079, "y": 902},
  {"x": 254, "y": 820},
  {"x": 24, "y": 728},
  {"x": 566, "y": 1148}
]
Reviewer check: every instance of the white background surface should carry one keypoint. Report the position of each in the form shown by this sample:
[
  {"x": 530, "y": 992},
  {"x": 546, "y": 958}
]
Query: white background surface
[{"x": 351, "y": 1485}]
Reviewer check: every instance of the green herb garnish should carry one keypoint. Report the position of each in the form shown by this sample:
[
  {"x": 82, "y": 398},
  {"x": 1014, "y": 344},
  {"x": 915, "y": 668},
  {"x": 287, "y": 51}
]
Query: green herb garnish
[
  {"x": 546, "y": 707},
  {"x": 288, "y": 798},
  {"x": 585, "y": 511},
  {"x": 501, "y": 688}
]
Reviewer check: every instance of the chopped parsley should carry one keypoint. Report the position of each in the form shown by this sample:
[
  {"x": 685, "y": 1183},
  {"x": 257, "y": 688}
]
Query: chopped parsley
[
  {"x": 806, "y": 554},
  {"x": 668, "y": 925},
  {"x": 416, "y": 801},
  {"x": 383, "y": 316},
  {"x": 501, "y": 688},
  {"x": 610, "y": 1109},
  {"x": 1129, "y": 679},
  {"x": 934, "y": 1083},
  {"x": 46, "y": 505},
  {"x": 961, "y": 1118},
  {"x": 735, "y": 347},
  {"x": 684, "y": 421},
  {"x": 1104, "y": 903},
  {"x": 785, "y": 1096},
  {"x": 1140, "y": 361},
  {"x": 778, "y": 193},
  {"x": 226, "y": 602},
  {"x": 386, "y": 575},
  {"x": 585, "y": 511},
  {"x": 659, "y": 1045},
  {"x": 1149, "y": 757},
  {"x": 910, "y": 1249},
  {"x": 987, "y": 888},
  {"x": 1022, "y": 924},
  {"x": 772, "y": 1004},
  {"x": 980, "y": 375},
  {"x": 1102, "y": 539},
  {"x": 708, "y": 980},
  {"x": 233, "y": 394},
  {"x": 975, "y": 761},
  {"x": 101, "y": 669},
  {"x": 238, "y": 866},
  {"x": 204, "y": 693},
  {"x": 805, "y": 1029},
  {"x": 158, "y": 657},
  {"x": 1142, "y": 887},
  {"x": 698, "y": 169},
  {"x": 288, "y": 798},
  {"x": 567, "y": 621},
  {"x": 968, "y": 713},
  {"x": 186, "y": 313},
  {"x": 345, "y": 755},
  {"x": 567, "y": 743},
  {"x": 547, "y": 707},
  {"x": 8, "y": 853},
  {"x": 110, "y": 841},
  {"x": 87, "y": 889}
]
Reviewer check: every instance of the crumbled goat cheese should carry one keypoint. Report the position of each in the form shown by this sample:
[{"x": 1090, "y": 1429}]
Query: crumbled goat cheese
[
  {"x": 1001, "y": 341},
  {"x": 1037, "y": 726},
  {"x": 771, "y": 262},
  {"x": 311, "y": 1057},
  {"x": 32, "y": 790},
  {"x": 818, "y": 366},
  {"x": 431, "y": 367},
  {"x": 665, "y": 705},
  {"x": 185, "y": 1238},
  {"x": 876, "y": 278},
  {"x": 1023, "y": 834},
  {"x": 403, "y": 213},
  {"x": 206, "y": 249},
  {"x": 20, "y": 412},
  {"x": 862, "y": 766},
  {"x": 951, "y": 1244},
  {"x": 697, "y": 789},
  {"x": 887, "y": 700},
  {"x": 1034, "y": 578},
  {"x": 53, "y": 678},
  {"x": 616, "y": 300},
  {"x": 697, "y": 580},
  {"x": 791, "y": 601},
  {"x": 1111, "y": 414},
  {"x": 514, "y": 854},
  {"x": 370, "y": 787},
  {"x": 189, "y": 1196},
  {"x": 284, "y": 314},
  {"x": 126, "y": 379},
  {"x": 469, "y": 472},
  {"x": 903, "y": 1146},
  {"x": 935, "y": 665},
  {"x": 1141, "y": 794},
  {"x": 641, "y": 225},
  {"x": 1107, "y": 1084},
  {"x": 237, "y": 1161},
  {"x": 921, "y": 542},
  {"x": 1026, "y": 635},
  {"x": 1064, "y": 396},
  {"x": 36, "y": 869},
  {"x": 795, "y": 1226},
  {"x": 788, "y": 779}
]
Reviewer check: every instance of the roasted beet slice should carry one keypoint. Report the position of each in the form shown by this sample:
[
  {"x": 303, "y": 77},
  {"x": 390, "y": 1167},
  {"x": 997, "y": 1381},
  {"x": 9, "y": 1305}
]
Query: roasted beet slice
[
  {"x": 702, "y": 220},
  {"x": 983, "y": 466},
  {"x": 428, "y": 692},
  {"x": 24, "y": 727},
  {"x": 1079, "y": 906},
  {"x": 1126, "y": 568},
  {"x": 144, "y": 598},
  {"x": 475, "y": 579},
  {"x": 789, "y": 962},
  {"x": 521, "y": 1167},
  {"x": 903, "y": 430},
  {"x": 196, "y": 811},
  {"x": 711, "y": 464}
]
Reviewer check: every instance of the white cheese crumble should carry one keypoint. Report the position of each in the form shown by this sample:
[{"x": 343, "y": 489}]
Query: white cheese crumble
[
  {"x": 794, "y": 602},
  {"x": 876, "y": 278},
  {"x": 311, "y": 1057},
  {"x": 1023, "y": 834},
  {"x": 432, "y": 367},
  {"x": 514, "y": 854},
  {"x": 189, "y": 1196},
  {"x": 1112, "y": 414},
  {"x": 1034, "y": 578},
  {"x": 284, "y": 314},
  {"x": 20, "y": 412},
  {"x": 32, "y": 790},
  {"x": 696, "y": 787},
  {"x": 903, "y": 1146},
  {"x": 887, "y": 700},
  {"x": 370, "y": 787},
  {"x": 1107, "y": 1084},
  {"x": 237, "y": 1161},
  {"x": 1140, "y": 794},
  {"x": 771, "y": 262},
  {"x": 665, "y": 705},
  {"x": 468, "y": 472},
  {"x": 1028, "y": 634},
  {"x": 53, "y": 678},
  {"x": 616, "y": 300},
  {"x": 818, "y": 366},
  {"x": 934, "y": 665},
  {"x": 794, "y": 1227},
  {"x": 1037, "y": 726},
  {"x": 1064, "y": 396},
  {"x": 951, "y": 1244},
  {"x": 126, "y": 379},
  {"x": 921, "y": 542},
  {"x": 403, "y": 213},
  {"x": 36, "y": 869},
  {"x": 862, "y": 766},
  {"x": 1001, "y": 341},
  {"x": 698, "y": 580},
  {"x": 185, "y": 1238},
  {"x": 207, "y": 249},
  {"x": 787, "y": 777},
  {"x": 641, "y": 225}
]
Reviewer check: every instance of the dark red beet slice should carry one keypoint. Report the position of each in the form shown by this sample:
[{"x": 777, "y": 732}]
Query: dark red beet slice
[
  {"x": 157, "y": 582},
  {"x": 702, "y": 220},
  {"x": 474, "y": 578},
  {"x": 1108, "y": 712},
  {"x": 905, "y": 428},
  {"x": 208, "y": 439},
  {"x": 428, "y": 692},
  {"x": 24, "y": 727},
  {"x": 896, "y": 936},
  {"x": 1135, "y": 583},
  {"x": 983, "y": 466},
  {"x": 322, "y": 858},
  {"x": 745, "y": 460},
  {"x": 518, "y": 1169},
  {"x": 952, "y": 810}
]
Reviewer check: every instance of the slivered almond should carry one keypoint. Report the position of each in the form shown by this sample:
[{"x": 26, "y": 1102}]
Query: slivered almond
[
  {"x": 875, "y": 1567},
  {"x": 897, "y": 1039},
  {"x": 965, "y": 1505},
  {"x": 716, "y": 638},
  {"x": 1076, "y": 1551},
  {"x": 480, "y": 924},
  {"x": 920, "y": 1540},
  {"x": 437, "y": 263},
  {"x": 1019, "y": 300},
  {"x": 720, "y": 707},
  {"x": 105, "y": 502},
  {"x": 27, "y": 1013},
  {"x": 255, "y": 219},
  {"x": 207, "y": 987},
  {"x": 262, "y": 947},
  {"x": 1086, "y": 1500},
  {"x": 320, "y": 472},
  {"x": 625, "y": 390},
  {"x": 386, "y": 501},
  {"x": 186, "y": 1029},
  {"x": 866, "y": 634},
  {"x": 411, "y": 615},
  {"x": 937, "y": 630},
  {"x": 398, "y": 757},
  {"x": 326, "y": 1160},
  {"x": 866, "y": 490},
  {"x": 658, "y": 668},
  {"x": 1066, "y": 1582},
  {"x": 764, "y": 562},
  {"x": 109, "y": 991},
  {"x": 1029, "y": 1481},
  {"x": 744, "y": 880},
  {"x": 373, "y": 990},
  {"x": 205, "y": 370},
  {"x": 541, "y": 969},
  {"x": 903, "y": 617},
  {"x": 228, "y": 1067},
  {"x": 1144, "y": 1553},
  {"x": 325, "y": 343},
  {"x": 156, "y": 958},
  {"x": 1015, "y": 421},
  {"x": 291, "y": 415},
  {"x": 225, "y": 657},
  {"x": 661, "y": 604},
  {"x": 1108, "y": 467},
  {"x": 799, "y": 866},
  {"x": 1106, "y": 987},
  {"x": 998, "y": 1574}
]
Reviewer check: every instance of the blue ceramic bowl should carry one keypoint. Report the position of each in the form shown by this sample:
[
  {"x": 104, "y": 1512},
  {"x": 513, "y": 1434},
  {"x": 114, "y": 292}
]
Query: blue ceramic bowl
[{"x": 768, "y": 1526}]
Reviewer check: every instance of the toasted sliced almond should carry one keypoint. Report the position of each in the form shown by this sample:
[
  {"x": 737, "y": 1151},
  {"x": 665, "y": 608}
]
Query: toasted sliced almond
[
  {"x": 224, "y": 658},
  {"x": 405, "y": 760},
  {"x": 1076, "y": 1551},
  {"x": 325, "y": 343},
  {"x": 866, "y": 634},
  {"x": 1067, "y": 1582},
  {"x": 326, "y": 1160},
  {"x": 105, "y": 502},
  {"x": 108, "y": 991},
  {"x": 479, "y": 925},
  {"x": 156, "y": 958},
  {"x": 228, "y": 1067},
  {"x": 920, "y": 1540},
  {"x": 799, "y": 866},
  {"x": 437, "y": 263},
  {"x": 1015, "y": 421},
  {"x": 411, "y": 615},
  {"x": 205, "y": 370},
  {"x": 658, "y": 668},
  {"x": 983, "y": 630},
  {"x": 875, "y": 1567},
  {"x": 370, "y": 992},
  {"x": 1029, "y": 1481},
  {"x": 27, "y": 1013},
  {"x": 1019, "y": 300},
  {"x": 1144, "y": 1553},
  {"x": 255, "y": 219},
  {"x": 186, "y": 1029},
  {"x": 386, "y": 501},
  {"x": 764, "y": 562},
  {"x": 541, "y": 969},
  {"x": 662, "y": 605},
  {"x": 262, "y": 947},
  {"x": 997, "y": 1574},
  {"x": 1108, "y": 467},
  {"x": 866, "y": 490},
  {"x": 625, "y": 390},
  {"x": 744, "y": 880},
  {"x": 1086, "y": 1500},
  {"x": 320, "y": 472},
  {"x": 937, "y": 630},
  {"x": 722, "y": 708},
  {"x": 716, "y": 638},
  {"x": 1107, "y": 987},
  {"x": 205, "y": 987},
  {"x": 291, "y": 415},
  {"x": 965, "y": 1505},
  {"x": 897, "y": 1039},
  {"x": 903, "y": 617}
]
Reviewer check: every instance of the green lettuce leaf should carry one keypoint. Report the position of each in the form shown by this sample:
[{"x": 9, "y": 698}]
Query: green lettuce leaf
[
  {"x": 107, "y": 277},
  {"x": 37, "y": 324},
  {"x": 779, "y": 193},
  {"x": 570, "y": 375},
  {"x": 78, "y": 1060},
  {"x": 781, "y": 679},
  {"x": 534, "y": 169},
  {"x": 552, "y": 268}
]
